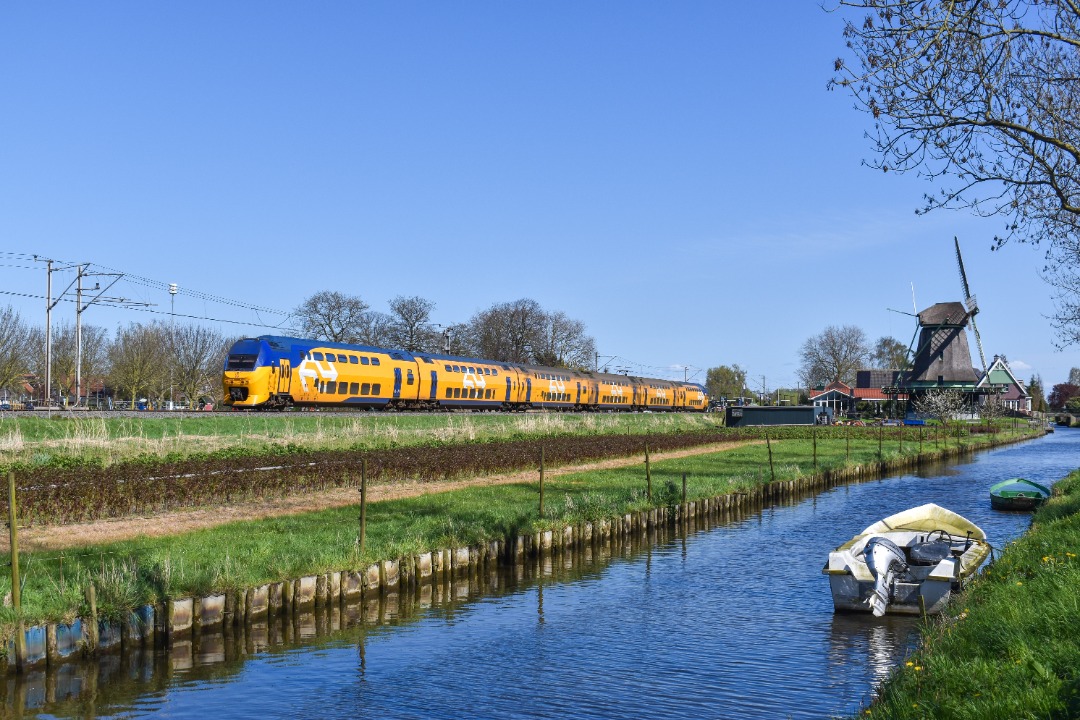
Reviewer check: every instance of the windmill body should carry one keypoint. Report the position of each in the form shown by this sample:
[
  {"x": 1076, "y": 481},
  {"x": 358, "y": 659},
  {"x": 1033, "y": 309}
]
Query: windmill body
[{"x": 942, "y": 357}]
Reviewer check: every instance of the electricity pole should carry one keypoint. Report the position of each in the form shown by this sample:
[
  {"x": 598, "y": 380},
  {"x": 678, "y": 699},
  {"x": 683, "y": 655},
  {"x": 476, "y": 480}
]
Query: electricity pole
[{"x": 172, "y": 339}]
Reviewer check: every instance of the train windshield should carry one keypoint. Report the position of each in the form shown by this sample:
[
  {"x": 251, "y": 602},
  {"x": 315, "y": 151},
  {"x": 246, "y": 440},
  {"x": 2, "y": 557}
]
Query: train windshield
[{"x": 241, "y": 362}]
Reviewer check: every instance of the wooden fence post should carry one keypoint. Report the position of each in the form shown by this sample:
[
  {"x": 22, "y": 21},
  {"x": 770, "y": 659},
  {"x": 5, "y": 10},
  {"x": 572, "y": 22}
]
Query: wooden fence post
[
  {"x": 363, "y": 501},
  {"x": 684, "y": 488},
  {"x": 16, "y": 587},
  {"x": 541, "y": 481},
  {"x": 768, "y": 444},
  {"x": 648, "y": 473}
]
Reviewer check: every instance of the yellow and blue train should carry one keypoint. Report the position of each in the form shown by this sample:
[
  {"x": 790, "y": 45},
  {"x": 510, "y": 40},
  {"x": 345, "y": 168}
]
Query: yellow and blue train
[{"x": 271, "y": 372}]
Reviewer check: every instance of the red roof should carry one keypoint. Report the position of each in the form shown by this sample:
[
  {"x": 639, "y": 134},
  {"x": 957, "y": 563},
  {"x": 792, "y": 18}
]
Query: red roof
[{"x": 876, "y": 394}]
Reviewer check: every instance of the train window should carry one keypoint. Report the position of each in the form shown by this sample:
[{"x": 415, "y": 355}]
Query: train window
[
  {"x": 449, "y": 393},
  {"x": 343, "y": 388},
  {"x": 331, "y": 387},
  {"x": 472, "y": 370},
  {"x": 429, "y": 361},
  {"x": 330, "y": 357},
  {"x": 364, "y": 360},
  {"x": 457, "y": 392},
  {"x": 495, "y": 371},
  {"x": 353, "y": 360},
  {"x": 354, "y": 389},
  {"x": 376, "y": 389},
  {"x": 317, "y": 356},
  {"x": 241, "y": 362},
  {"x": 457, "y": 369},
  {"x": 374, "y": 361},
  {"x": 365, "y": 389},
  {"x": 448, "y": 368},
  {"x": 409, "y": 378}
]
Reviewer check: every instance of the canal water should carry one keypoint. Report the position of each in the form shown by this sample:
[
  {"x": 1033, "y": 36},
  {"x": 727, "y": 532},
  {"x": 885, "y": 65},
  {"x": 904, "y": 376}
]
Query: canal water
[{"x": 732, "y": 620}]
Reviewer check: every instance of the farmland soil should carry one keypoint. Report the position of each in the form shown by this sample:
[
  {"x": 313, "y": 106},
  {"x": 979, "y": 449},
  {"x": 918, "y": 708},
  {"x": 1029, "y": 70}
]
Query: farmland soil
[{"x": 58, "y": 537}]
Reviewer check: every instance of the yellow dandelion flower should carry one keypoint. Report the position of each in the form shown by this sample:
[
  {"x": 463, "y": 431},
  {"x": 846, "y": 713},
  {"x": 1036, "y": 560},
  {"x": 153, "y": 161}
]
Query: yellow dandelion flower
[
  {"x": 1046, "y": 559},
  {"x": 909, "y": 663},
  {"x": 918, "y": 668},
  {"x": 1019, "y": 583}
]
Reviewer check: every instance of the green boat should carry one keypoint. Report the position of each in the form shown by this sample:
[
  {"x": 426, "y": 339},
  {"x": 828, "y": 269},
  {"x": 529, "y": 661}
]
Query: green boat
[{"x": 1018, "y": 494}]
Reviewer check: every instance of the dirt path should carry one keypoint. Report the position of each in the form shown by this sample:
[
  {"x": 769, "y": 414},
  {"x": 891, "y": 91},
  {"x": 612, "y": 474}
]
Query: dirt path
[{"x": 174, "y": 523}]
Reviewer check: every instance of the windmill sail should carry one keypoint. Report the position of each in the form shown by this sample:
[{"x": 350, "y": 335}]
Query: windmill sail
[{"x": 970, "y": 303}]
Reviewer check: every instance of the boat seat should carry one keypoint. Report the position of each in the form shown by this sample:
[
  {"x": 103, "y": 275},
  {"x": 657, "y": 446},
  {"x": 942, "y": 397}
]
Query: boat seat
[{"x": 929, "y": 553}]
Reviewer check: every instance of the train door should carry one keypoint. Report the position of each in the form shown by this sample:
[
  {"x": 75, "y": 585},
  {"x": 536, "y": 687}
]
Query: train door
[
  {"x": 434, "y": 385},
  {"x": 578, "y": 398},
  {"x": 284, "y": 378},
  {"x": 528, "y": 389},
  {"x": 397, "y": 383},
  {"x": 508, "y": 384}
]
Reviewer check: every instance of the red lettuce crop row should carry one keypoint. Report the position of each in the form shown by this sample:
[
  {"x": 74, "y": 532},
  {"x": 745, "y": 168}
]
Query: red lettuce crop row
[{"x": 59, "y": 496}]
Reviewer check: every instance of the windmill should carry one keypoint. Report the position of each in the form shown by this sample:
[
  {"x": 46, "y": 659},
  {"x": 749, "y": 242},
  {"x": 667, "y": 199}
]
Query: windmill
[{"x": 970, "y": 303}]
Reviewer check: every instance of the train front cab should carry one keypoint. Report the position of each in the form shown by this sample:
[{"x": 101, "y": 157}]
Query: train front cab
[{"x": 251, "y": 373}]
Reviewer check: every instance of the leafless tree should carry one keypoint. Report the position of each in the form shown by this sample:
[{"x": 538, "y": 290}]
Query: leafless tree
[
  {"x": 333, "y": 316},
  {"x": 988, "y": 95},
  {"x": 564, "y": 343},
  {"x": 833, "y": 356},
  {"x": 13, "y": 348},
  {"x": 507, "y": 331},
  {"x": 139, "y": 361},
  {"x": 65, "y": 356},
  {"x": 410, "y": 325},
  {"x": 197, "y": 356}
]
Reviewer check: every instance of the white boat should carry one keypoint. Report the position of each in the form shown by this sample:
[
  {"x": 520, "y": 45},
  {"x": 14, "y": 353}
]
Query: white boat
[{"x": 907, "y": 564}]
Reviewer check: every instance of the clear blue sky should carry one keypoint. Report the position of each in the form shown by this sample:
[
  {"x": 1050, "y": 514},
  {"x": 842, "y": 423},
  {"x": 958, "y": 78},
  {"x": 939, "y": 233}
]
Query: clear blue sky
[{"x": 677, "y": 176}]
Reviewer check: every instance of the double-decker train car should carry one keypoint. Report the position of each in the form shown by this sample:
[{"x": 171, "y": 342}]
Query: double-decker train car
[{"x": 271, "y": 372}]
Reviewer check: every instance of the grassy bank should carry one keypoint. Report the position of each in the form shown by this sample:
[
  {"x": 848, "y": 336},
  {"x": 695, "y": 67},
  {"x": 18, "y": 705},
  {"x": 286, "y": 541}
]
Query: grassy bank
[
  {"x": 252, "y": 553},
  {"x": 38, "y": 439},
  {"x": 1009, "y": 647}
]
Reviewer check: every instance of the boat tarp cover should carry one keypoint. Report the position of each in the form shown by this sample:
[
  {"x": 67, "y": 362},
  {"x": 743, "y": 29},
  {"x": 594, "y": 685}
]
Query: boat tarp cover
[
  {"x": 1016, "y": 486},
  {"x": 927, "y": 518}
]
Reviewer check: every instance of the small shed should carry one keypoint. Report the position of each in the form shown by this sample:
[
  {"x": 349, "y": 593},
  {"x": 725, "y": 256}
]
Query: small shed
[{"x": 782, "y": 415}]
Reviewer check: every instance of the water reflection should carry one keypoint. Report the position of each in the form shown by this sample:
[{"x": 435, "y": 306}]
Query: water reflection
[
  {"x": 730, "y": 619},
  {"x": 868, "y": 643}
]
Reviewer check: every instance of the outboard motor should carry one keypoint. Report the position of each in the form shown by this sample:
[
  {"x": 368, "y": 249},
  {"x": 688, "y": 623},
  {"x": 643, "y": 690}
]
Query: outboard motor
[{"x": 886, "y": 561}]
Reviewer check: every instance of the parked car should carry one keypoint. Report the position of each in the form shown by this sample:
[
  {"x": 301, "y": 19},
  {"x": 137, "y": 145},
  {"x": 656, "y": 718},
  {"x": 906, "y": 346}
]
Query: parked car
[{"x": 5, "y": 405}]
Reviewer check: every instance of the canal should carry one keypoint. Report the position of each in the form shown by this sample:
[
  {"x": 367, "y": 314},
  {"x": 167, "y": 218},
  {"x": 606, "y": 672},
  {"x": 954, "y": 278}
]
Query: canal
[{"x": 733, "y": 620}]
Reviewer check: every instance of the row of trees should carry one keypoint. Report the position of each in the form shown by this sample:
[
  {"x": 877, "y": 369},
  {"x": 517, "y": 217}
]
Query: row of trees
[
  {"x": 517, "y": 331},
  {"x": 153, "y": 360},
  {"x": 158, "y": 360}
]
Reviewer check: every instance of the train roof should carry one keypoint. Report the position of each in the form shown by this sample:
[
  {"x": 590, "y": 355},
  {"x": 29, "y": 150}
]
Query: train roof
[{"x": 283, "y": 343}]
